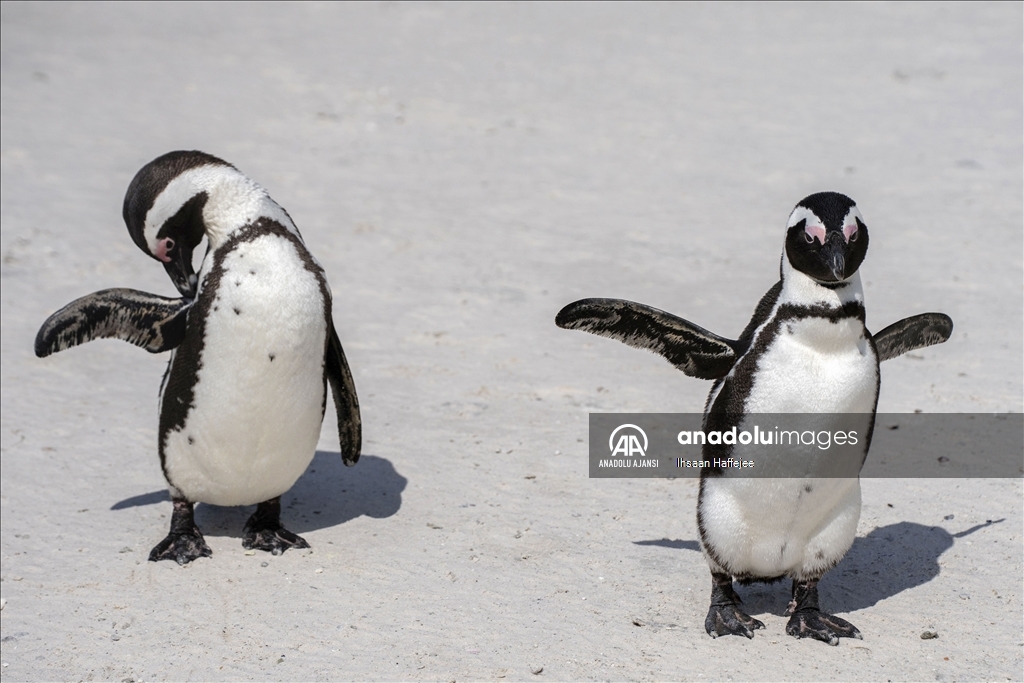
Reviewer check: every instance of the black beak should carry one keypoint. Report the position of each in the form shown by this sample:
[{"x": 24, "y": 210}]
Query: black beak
[
  {"x": 179, "y": 268},
  {"x": 834, "y": 256}
]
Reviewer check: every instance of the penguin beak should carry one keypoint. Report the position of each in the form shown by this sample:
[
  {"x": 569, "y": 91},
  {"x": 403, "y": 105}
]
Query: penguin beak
[
  {"x": 834, "y": 256},
  {"x": 179, "y": 268}
]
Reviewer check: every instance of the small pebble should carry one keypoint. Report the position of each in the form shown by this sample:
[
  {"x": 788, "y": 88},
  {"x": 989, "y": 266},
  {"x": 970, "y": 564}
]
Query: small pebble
[
  {"x": 319, "y": 570},
  {"x": 928, "y": 635},
  {"x": 115, "y": 637},
  {"x": 250, "y": 552},
  {"x": 264, "y": 564},
  {"x": 948, "y": 517},
  {"x": 537, "y": 671},
  {"x": 3, "y": 603}
]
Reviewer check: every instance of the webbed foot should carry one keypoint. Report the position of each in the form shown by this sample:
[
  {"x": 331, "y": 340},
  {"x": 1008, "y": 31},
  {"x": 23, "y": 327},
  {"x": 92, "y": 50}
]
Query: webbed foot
[
  {"x": 185, "y": 542},
  {"x": 725, "y": 618},
  {"x": 730, "y": 620},
  {"x": 263, "y": 531},
  {"x": 821, "y": 626},
  {"x": 808, "y": 621}
]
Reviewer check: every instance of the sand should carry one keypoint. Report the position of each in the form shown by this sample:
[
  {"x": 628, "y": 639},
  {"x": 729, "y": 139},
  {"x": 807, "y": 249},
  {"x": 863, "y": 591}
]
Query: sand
[{"x": 462, "y": 172}]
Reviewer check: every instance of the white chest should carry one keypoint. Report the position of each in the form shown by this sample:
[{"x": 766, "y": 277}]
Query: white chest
[
  {"x": 814, "y": 365},
  {"x": 258, "y": 402}
]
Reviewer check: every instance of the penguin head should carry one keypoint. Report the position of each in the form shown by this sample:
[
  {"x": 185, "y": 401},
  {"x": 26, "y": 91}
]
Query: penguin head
[
  {"x": 163, "y": 209},
  {"x": 826, "y": 238}
]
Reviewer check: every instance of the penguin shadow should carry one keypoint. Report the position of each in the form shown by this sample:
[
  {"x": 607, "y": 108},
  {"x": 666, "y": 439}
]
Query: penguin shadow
[
  {"x": 677, "y": 544},
  {"x": 886, "y": 562},
  {"x": 326, "y": 495}
]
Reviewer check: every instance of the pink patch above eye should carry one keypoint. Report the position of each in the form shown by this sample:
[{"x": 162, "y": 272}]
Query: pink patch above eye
[
  {"x": 817, "y": 231},
  {"x": 849, "y": 231},
  {"x": 162, "y": 247}
]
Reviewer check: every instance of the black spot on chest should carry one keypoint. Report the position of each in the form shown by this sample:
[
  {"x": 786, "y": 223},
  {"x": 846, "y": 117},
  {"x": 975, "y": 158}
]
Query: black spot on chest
[{"x": 183, "y": 372}]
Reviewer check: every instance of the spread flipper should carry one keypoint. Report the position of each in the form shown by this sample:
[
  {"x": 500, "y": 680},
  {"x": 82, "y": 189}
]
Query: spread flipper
[
  {"x": 690, "y": 348},
  {"x": 912, "y": 333},
  {"x": 153, "y": 322},
  {"x": 346, "y": 403}
]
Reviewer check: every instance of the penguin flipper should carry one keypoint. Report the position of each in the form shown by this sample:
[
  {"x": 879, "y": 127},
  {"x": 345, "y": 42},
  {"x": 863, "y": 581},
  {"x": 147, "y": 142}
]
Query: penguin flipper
[
  {"x": 912, "y": 333},
  {"x": 346, "y": 403},
  {"x": 155, "y": 323},
  {"x": 690, "y": 348}
]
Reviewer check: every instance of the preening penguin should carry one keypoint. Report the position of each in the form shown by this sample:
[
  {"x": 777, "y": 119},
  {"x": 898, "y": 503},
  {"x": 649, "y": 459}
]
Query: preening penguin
[
  {"x": 254, "y": 346},
  {"x": 805, "y": 350}
]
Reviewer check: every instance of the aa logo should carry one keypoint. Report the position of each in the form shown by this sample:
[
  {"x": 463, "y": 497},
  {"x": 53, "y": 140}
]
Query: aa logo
[{"x": 628, "y": 444}]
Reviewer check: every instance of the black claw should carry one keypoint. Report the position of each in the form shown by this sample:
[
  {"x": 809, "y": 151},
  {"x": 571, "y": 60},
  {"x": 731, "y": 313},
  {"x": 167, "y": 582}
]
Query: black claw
[
  {"x": 273, "y": 541},
  {"x": 263, "y": 531},
  {"x": 808, "y": 621},
  {"x": 821, "y": 626},
  {"x": 182, "y": 548},
  {"x": 185, "y": 542},
  {"x": 725, "y": 618},
  {"x": 729, "y": 620}
]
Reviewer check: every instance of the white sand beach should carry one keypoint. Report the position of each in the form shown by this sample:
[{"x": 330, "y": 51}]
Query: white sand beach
[{"x": 462, "y": 171}]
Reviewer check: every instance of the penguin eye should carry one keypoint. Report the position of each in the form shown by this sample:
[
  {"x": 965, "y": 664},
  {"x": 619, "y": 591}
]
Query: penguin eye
[
  {"x": 170, "y": 243},
  {"x": 808, "y": 238},
  {"x": 853, "y": 237}
]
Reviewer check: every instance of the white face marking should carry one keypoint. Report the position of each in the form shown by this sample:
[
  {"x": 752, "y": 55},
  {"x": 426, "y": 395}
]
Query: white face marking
[
  {"x": 233, "y": 201},
  {"x": 168, "y": 203},
  {"x": 850, "y": 227},
  {"x": 814, "y": 228}
]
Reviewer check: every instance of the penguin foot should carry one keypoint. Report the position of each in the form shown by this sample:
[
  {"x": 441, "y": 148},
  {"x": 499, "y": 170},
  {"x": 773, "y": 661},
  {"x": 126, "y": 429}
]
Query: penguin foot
[
  {"x": 730, "y": 620},
  {"x": 263, "y": 531},
  {"x": 274, "y": 541},
  {"x": 725, "y": 618},
  {"x": 808, "y": 621},
  {"x": 182, "y": 548},
  {"x": 821, "y": 626},
  {"x": 185, "y": 542}
]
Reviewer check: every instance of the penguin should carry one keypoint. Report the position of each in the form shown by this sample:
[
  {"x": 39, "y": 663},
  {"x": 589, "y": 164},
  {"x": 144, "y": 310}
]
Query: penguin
[
  {"x": 806, "y": 350},
  {"x": 252, "y": 341}
]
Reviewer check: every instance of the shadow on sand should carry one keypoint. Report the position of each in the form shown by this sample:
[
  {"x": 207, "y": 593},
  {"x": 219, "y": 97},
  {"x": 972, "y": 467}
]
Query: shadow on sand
[
  {"x": 676, "y": 544},
  {"x": 886, "y": 562},
  {"x": 327, "y": 494}
]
